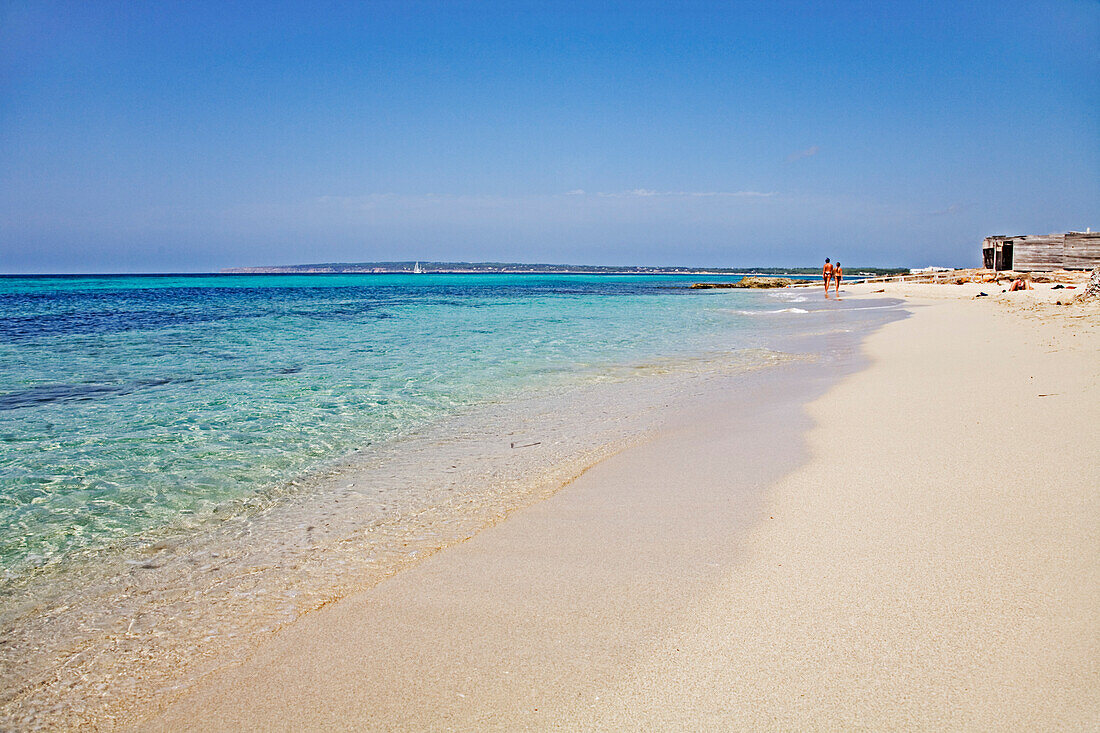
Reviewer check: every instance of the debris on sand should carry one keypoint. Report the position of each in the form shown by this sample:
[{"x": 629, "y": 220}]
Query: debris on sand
[{"x": 1092, "y": 287}]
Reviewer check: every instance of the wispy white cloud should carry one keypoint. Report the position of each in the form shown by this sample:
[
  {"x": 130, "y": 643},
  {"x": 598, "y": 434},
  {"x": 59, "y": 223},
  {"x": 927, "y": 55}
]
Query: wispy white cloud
[
  {"x": 377, "y": 200},
  {"x": 738, "y": 194},
  {"x": 952, "y": 209},
  {"x": 648, "y": 193},
  {"x": 807, "y": 153},
  {"x": 577, "y": 208}
]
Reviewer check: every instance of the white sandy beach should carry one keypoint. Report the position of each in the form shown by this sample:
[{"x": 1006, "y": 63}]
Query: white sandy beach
[{"x": 929, "y": 557}]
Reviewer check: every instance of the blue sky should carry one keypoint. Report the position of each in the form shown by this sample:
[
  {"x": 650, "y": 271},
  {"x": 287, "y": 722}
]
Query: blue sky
[{"x": 144, "y": 137}]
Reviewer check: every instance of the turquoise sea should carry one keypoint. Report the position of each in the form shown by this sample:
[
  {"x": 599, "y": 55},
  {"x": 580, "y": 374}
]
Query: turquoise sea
[{"x": 128, "y": 404}]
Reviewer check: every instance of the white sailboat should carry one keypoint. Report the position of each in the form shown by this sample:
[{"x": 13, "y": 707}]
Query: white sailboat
[{"x": 417, "y": 270}]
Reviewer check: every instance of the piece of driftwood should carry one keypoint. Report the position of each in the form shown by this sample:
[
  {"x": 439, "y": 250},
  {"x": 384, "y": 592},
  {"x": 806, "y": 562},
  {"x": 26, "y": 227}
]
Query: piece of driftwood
[{"x": 1092, "y": 288}]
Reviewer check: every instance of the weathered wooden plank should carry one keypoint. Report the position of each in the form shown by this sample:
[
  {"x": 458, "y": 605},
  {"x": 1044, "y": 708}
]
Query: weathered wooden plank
[
  {"x": 1038, "y": 252},
  {"x": 1082, "y": 250}
]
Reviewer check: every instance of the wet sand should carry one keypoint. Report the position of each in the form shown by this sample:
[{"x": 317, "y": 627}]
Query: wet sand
[{"x": 917, "y": 547}]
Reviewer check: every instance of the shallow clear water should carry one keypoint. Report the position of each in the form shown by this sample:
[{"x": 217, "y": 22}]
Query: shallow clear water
[{"x": 128, "y": 404}]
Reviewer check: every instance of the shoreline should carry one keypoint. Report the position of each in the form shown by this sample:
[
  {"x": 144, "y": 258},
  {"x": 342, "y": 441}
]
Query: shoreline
[
  {"x": 184, "y": 590},
  {"x": 902, "y": 576},
  {"x": 574, "y": 524}
]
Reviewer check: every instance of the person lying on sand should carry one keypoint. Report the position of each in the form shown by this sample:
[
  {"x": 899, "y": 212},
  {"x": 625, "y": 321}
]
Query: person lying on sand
[
  {"x": 1020, "y": 284},
  {"x": 827, "y": 275}
]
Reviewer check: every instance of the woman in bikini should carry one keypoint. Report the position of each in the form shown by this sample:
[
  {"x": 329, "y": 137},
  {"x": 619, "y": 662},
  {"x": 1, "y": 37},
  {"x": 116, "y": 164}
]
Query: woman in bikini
[{"x": 827, "y": 275}]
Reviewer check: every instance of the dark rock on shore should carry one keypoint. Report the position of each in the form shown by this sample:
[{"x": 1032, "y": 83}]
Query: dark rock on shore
[{"x": 748, "y": 282}]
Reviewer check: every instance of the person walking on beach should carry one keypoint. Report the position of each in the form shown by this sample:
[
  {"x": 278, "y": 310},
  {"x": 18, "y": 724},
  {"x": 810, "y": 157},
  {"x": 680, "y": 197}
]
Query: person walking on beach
[
  {"x": 838, "y": 275},
  {"x": 827, "y": 275}
]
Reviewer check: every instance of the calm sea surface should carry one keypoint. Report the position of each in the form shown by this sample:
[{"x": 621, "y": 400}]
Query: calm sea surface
[{"x": 128, "y": 404}]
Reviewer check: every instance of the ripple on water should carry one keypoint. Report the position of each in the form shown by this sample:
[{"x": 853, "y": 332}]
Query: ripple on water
[{"x": 150, "y": 615}]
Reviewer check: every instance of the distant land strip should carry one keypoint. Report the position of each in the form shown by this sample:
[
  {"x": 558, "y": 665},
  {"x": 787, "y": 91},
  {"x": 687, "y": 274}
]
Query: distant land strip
[{"x": 343, "y": 268}]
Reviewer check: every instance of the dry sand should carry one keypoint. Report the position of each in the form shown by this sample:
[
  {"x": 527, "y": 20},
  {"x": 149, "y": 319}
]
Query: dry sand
[{"x": 925, "y": 555}]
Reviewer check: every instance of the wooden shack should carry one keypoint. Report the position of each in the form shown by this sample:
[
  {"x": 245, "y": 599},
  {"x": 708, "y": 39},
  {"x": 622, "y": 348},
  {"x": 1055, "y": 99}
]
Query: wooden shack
[{"x": 1031, "y": 253}]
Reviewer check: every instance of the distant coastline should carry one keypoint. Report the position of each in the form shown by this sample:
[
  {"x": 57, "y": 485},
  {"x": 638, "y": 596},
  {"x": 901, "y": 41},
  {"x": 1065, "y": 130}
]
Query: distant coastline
[{"x": 441, "y": 268}]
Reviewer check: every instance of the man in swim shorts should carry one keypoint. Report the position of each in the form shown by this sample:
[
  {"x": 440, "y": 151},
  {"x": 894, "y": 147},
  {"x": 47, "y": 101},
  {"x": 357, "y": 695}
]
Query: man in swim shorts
[
  {"x": 827, "y": 275},
  {"x": 838, "y": 275}
]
